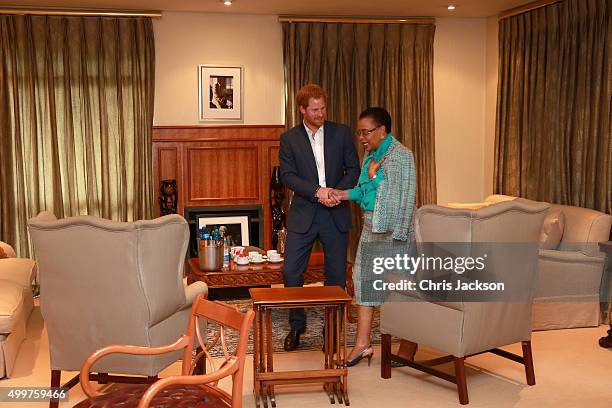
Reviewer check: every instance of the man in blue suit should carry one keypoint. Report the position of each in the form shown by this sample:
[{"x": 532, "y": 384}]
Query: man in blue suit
[{"x": 316, "y": 156}]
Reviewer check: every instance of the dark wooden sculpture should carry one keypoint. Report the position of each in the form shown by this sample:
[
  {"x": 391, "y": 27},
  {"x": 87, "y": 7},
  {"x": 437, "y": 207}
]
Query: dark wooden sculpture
[
  {"x": 168, "y": 200},
  {"x": 277, "y": 199}
]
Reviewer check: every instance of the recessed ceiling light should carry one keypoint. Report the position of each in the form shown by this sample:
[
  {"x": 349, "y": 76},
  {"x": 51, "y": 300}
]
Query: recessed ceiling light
[
  {"x": 227, "y": 2},
  {"x": 451, "y": 7}
]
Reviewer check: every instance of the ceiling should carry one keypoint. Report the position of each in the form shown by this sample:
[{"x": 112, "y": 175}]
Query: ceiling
[{"x": 389, "y": 8}]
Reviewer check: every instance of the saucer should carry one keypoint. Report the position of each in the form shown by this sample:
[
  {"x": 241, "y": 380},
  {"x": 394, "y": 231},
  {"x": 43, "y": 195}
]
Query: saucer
[
  {"x": 258, "y": 262},
  {"x": 277, "y": 261}
]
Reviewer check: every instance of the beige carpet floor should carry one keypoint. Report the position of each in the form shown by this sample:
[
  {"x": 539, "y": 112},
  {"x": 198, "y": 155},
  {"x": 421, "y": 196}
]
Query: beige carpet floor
[{"x": 571, "y": 371}]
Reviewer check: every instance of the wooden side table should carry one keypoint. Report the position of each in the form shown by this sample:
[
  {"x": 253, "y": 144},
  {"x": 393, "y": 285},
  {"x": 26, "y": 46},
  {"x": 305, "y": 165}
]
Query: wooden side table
[
  {"x": 606, "y": 291},
  {"x": 334, "y": 375}
]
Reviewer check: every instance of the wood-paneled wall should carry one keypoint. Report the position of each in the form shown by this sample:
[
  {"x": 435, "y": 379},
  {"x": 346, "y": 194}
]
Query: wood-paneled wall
[{"x": 218, "y": 165}]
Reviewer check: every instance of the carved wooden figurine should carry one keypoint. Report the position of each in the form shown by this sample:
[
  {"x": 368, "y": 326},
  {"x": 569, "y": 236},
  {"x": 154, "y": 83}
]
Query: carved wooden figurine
[
  {"x": 277, "y": 198},
  {"x": 168, "y": 199}
]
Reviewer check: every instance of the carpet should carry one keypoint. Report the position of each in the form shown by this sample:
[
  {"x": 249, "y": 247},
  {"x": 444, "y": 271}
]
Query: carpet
[{"x": 312, "y": 339}]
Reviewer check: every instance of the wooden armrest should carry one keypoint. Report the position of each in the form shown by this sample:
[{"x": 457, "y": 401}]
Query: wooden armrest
[
  {"x": 156, "y": 387},
  {"x": 181, "y": 343}
]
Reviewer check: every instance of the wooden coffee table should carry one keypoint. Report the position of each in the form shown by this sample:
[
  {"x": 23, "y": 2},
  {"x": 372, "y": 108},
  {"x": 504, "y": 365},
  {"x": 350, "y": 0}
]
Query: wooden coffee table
[{"x": 263, "y": 274}]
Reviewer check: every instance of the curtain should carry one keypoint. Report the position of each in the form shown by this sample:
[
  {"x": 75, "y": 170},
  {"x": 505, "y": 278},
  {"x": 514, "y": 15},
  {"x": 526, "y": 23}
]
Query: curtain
[
  {"x": 362, "y": 65},
  {"x": 76, "y": 116},
  {"x": 553, "y": 139}
]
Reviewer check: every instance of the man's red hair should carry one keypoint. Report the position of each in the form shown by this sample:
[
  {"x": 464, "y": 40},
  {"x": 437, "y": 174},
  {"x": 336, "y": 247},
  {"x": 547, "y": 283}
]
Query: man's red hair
[{"x": 310, "y": 91}]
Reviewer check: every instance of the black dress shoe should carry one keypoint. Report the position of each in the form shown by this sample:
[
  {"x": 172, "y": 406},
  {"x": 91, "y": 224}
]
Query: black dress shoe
[
  {"x": 292, "y": 341},
  {"x": 606, "y": 342}
]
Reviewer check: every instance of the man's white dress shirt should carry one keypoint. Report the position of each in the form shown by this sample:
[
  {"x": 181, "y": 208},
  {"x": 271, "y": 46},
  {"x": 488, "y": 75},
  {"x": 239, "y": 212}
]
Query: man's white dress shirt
[{"x": 316, "y": 142}]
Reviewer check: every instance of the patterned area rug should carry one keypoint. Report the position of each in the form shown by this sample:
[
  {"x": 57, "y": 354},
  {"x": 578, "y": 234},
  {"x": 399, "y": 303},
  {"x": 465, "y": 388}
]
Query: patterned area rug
[{"x": 312, "y": 339}]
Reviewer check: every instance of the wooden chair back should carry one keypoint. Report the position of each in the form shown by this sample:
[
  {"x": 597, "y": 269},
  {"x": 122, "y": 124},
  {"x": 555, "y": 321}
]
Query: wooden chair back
[{"x": 225, "y": 316}]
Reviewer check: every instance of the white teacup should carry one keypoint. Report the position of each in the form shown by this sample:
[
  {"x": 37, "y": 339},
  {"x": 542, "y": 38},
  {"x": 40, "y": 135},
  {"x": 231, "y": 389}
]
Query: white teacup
[
  {"x": 275, "y": 257},
  {"x": 242, "y": 260},
  {"x": 255, "y": 256},
  {"x": 271, "y": 253}
]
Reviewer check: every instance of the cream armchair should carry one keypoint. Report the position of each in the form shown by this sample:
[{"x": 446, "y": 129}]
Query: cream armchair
[
  {"x": 105, "y": 282},
  {"x": 462, "y": 328},
  {"x": 571, "y": 267}
]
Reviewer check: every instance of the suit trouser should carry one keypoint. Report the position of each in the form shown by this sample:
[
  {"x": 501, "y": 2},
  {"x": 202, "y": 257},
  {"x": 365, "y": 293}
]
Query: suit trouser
[{"x": 297, "y": 252}]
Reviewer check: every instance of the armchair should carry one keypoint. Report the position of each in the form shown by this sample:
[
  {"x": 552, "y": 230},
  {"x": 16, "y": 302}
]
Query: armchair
[
  {"x": 462, "y": 328},
  {"x": 570, "y": 268},
  {"x": 105, "y": 282}
]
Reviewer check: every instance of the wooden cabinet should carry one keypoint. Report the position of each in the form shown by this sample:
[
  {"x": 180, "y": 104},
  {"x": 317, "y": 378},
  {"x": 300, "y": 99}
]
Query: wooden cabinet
[{"x": 218, "y": 165}]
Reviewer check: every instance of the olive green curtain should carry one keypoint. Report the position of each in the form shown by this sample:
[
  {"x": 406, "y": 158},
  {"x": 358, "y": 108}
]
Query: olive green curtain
[
  {"x": 76, "y": 116},
  {"x": 362, "y": 65},
  {"x": 553, "y": 140}
]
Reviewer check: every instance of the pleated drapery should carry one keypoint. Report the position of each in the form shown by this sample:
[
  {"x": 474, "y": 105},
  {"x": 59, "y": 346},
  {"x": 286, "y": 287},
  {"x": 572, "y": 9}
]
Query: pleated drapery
[
  {"x": 76, "y": 115},
  {"x": 553, "y": 139}
]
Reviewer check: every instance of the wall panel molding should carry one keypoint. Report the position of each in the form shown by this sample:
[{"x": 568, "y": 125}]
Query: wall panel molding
[
  {"x": 222, "y": 173},
  {"x": 218, "y": 165},
  {"x": 217, "y": 133}
]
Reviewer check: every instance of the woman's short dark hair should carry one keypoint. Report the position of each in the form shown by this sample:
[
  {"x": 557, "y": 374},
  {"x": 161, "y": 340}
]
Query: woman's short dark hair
[{"x": 378, "y": 115}]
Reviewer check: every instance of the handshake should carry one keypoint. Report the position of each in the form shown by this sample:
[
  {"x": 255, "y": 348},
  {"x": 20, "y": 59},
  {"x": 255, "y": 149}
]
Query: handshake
[{"x": 331, "y": 197}]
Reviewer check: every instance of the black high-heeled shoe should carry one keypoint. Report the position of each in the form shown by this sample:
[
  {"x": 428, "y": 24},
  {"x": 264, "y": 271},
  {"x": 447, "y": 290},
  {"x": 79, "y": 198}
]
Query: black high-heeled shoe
[{"x": 367, "y": 352}]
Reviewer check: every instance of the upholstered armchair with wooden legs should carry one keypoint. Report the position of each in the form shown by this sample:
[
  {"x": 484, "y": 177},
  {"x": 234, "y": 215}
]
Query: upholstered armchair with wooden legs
[
  {"x": 462, "y": 328},
  {"x": 104, "y": 282},
  {"x": 185, "y": 389}
]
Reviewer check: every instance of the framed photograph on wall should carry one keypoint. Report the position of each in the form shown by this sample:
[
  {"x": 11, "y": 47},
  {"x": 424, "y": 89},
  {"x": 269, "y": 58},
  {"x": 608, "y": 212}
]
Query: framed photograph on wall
[
  {"x": 237, "y": 226},
  {"x": 220, "y": 93}
]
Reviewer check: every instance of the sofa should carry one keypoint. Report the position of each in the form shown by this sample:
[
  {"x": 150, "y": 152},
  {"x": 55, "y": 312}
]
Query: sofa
[
  {"x": 16, "y": 304},
  {"x": 570, "y": 264}
]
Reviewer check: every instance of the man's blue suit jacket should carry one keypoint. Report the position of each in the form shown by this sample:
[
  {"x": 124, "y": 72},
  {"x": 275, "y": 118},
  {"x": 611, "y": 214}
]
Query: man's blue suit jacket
[{"x": 299, "y": 173}]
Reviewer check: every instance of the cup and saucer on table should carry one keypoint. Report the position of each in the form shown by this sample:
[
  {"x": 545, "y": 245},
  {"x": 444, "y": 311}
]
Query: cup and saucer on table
[
  {"x": 256, "y": 257},
  {"x": 274, "y": 256},
  {"x": 242, "y": 260}
]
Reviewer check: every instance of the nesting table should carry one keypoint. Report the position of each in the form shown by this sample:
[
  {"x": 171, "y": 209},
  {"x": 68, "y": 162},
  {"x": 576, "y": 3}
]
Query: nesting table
[{"x": 334, "y": 374}]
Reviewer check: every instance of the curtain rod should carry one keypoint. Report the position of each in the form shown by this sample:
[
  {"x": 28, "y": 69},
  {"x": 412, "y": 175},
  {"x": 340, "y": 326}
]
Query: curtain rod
[
  {"x": 525, "y": 8},
  {"x": 356, "y": 20},
  {"x": 56, "y": 11}
]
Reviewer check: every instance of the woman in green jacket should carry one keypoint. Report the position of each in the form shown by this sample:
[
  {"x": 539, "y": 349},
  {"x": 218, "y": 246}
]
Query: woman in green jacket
[{"x": 385, "y": 192}]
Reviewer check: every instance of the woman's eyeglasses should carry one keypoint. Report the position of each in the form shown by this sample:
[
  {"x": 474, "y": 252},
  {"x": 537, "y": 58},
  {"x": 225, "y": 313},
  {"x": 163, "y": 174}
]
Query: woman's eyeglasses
[{"x": 365, "y": 132}]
